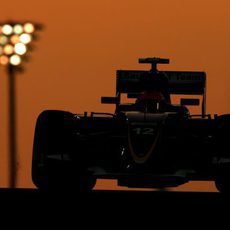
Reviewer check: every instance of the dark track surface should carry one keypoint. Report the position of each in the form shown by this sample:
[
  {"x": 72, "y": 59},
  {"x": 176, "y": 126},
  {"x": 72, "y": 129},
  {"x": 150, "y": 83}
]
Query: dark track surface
[
  {"x": 114, "y": 206},
  {"x": 140, "y": 197},
  {"x": 27, "y": 193},
  {"x": 156, "y": 198}
]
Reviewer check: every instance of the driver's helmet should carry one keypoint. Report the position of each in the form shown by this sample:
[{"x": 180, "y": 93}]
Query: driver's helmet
[
  {"x": 149, "y": 101},
  {"x": 151, "y": 95}
]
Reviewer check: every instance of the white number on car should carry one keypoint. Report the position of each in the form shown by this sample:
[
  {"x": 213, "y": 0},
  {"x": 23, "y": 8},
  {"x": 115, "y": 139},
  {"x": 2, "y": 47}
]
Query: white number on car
[{"x": 143, "y": 131}]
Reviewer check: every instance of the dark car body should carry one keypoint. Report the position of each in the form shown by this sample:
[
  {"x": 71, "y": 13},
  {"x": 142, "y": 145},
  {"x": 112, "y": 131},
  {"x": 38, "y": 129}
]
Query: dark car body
[{"x": 155, "y": 144}]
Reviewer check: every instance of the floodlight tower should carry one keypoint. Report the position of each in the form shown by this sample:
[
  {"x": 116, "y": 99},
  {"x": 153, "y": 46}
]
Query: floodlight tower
[{"x": 15, "y": 42}]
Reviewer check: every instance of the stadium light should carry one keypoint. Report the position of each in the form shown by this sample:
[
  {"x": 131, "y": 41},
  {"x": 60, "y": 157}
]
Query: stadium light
[
  {"x": 15, "y": 42},
  {"x": 16, "y": 39}
]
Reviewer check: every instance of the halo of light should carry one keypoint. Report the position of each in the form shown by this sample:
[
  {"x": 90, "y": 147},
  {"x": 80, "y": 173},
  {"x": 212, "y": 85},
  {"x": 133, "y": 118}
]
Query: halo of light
[
  {"x": 25, "y": 38},
  {"x": 18, "y": 29},
  {"x": 29, "y": 28},
  {"x": 8, "y": 49},
  {"x": 4, "y": 60},
  {"x": 15, "y": 39},
  {"x": 15, "y": 60},
  {"x": 20, "y": 49},
  {"x": 7, "y": 29},
  {"x": 3, "y": 40}
]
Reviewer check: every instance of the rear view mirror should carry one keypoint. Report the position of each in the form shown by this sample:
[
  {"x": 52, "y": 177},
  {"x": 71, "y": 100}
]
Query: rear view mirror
[
  {"x": 133, "y": 95},
  {"x": 109, "y": 100},
  {"x": 189, "y": 101}
]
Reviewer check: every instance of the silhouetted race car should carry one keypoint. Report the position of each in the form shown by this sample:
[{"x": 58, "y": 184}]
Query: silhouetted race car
[{"x": 149, "y": 142}]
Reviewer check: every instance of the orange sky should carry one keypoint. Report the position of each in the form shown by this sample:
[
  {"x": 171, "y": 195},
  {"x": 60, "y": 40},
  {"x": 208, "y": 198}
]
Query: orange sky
[{"x": 84, "y": 42}]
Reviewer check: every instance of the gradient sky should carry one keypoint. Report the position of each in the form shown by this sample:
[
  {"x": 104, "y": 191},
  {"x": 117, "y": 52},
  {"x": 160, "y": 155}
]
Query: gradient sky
[{"x": 83, "y": 44}]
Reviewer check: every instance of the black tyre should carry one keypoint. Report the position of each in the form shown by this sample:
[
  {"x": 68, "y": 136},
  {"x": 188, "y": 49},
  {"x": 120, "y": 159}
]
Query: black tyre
[
  {"x": 53, "y": 142},
  {"x": 222, "y": 180}
]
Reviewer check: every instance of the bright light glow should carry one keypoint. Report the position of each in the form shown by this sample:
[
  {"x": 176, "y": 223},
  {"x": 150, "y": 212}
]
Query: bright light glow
[
  {"x": 15, "y": 39},
  {"x": 29, "y": 28},
  {"x": 7, "y": 29},
  {"x": 8, "y": 49},
  {"x": 3, "y": 40},
  {"x": 25, "y": 38},
  {"x": 18, "y": 29},
  {"x": 20, "y": 48},
  {"x": 15, "y": 60},
  {"x": 4, "y": 60}
]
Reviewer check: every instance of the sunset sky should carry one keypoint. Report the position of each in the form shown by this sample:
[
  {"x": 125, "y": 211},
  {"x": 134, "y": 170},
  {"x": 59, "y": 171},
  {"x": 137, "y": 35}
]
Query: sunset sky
[{"x": 84, "y": 42}]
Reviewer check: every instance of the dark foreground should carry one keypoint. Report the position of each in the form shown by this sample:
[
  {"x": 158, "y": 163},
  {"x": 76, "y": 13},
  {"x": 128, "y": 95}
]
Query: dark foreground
[
  {"x": 117, "y": 207},
  {"x": 108, "y": 198},
  {"x": 21, "y": 194}
]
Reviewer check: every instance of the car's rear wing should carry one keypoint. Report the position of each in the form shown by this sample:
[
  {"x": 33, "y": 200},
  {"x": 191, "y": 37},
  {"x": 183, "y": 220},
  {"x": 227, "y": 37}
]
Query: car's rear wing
[
  {"x": 134, "y": 82},
  {"x": 179, "y": 82}
]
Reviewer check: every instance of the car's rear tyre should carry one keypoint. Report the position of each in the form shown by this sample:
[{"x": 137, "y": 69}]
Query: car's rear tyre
[{"x": 53, "y": 141}]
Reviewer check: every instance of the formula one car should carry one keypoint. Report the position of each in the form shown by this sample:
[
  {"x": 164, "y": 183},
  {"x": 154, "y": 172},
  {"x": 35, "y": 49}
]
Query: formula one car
[{"x": 149, "y": 142}]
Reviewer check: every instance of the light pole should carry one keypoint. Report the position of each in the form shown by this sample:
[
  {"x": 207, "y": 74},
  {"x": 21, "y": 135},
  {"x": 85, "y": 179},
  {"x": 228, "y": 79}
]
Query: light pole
[{"x": 15, "y": 42}]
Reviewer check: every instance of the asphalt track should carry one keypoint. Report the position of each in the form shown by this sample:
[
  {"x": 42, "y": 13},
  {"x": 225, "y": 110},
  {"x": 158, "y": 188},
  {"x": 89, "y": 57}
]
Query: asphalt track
[
  {"x": 102, "y": 199},
  {"x": 26, "y": 194},
  {"x": 118, "y": 208}
]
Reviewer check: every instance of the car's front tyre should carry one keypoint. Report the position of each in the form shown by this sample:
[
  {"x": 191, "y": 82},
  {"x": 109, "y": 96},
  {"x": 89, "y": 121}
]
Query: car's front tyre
[
  {"x": 52, "y": 167},
  {"x": 222, "y": 179}
]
